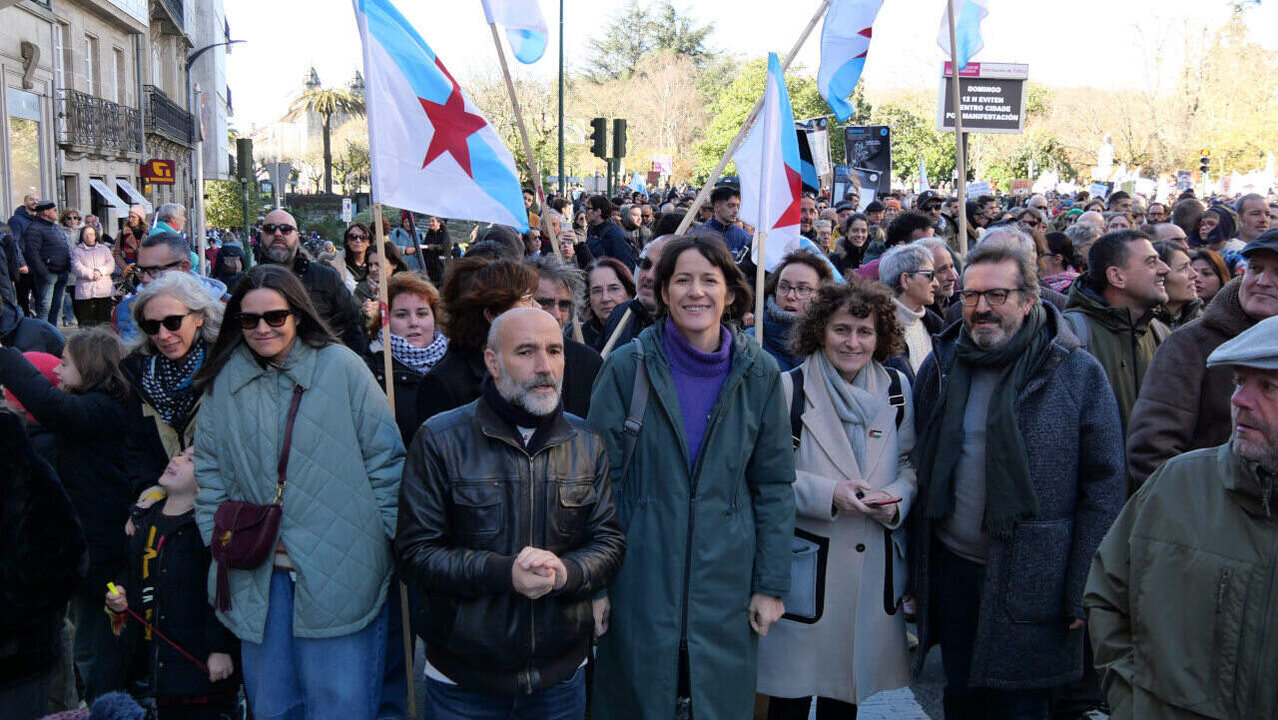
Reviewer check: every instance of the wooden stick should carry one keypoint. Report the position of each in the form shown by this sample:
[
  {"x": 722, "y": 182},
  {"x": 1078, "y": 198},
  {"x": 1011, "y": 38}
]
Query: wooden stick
[
  {"x": 616, "y": 334},
  {"x": 745, "y": 127},
  {"x": 760, "y": 237},
  {"x": 961, "y": 185},
  {"x": 384, "y": 302},
  {"x": 532, "y": 162}
]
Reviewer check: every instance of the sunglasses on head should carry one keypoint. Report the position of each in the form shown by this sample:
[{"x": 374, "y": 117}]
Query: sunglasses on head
[
  {"x": 170, "y": 323},
  {"x": 274, "y": 318},
  {"x": 270, "y": 228}
]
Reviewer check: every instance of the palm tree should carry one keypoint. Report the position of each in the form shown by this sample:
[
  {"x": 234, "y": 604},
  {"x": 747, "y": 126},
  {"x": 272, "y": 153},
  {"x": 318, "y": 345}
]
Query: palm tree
[{"x": 328, "y": 102}]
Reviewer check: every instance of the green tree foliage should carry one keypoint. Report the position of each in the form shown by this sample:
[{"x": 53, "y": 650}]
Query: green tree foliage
[
  {"x": 734, "y": 103},
  {"x": 223, "y": 204},
  {"x": 635, "y": 32},
  {"x": 327, "y": 102}
]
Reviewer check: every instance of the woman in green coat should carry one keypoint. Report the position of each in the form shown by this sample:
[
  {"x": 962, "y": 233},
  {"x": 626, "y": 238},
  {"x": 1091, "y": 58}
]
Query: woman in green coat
[{"x": 706, "y": 500}]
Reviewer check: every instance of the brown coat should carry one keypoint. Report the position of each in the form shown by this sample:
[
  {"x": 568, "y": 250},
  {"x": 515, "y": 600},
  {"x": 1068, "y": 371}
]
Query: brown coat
[
  {"x": 854, "y": 649},
  {"x": 1182, "y": 405}
]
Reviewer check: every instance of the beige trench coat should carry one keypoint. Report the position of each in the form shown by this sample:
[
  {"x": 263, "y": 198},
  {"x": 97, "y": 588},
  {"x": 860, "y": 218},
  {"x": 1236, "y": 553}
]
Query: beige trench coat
[{"x": 854, "y": 649}]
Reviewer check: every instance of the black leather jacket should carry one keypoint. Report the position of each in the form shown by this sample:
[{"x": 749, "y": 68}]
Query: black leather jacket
[{"x": 471, "y": 499}]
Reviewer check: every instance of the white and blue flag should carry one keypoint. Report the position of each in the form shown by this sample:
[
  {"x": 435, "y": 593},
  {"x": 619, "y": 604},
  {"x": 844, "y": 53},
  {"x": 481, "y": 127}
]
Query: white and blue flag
[
  {"x": 845, "y": 42},
  {"x": 525, "y": 26},
  {"x": 967, "y": 30}
]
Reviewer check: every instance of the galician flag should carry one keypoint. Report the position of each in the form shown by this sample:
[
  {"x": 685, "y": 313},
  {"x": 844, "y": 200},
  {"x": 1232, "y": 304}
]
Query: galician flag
[
  {"x": 431, "y": 149},
  {"x": 768, "y": 164},
  {"x": 845, "y": 41},
  {"x": 525, "y": 26},
  {"x": 967, "y": 29}
]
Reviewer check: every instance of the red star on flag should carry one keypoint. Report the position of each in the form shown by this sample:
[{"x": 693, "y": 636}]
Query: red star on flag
[
  {"x": 453, "y": 125},
  {"x": 791, "y": 214}
]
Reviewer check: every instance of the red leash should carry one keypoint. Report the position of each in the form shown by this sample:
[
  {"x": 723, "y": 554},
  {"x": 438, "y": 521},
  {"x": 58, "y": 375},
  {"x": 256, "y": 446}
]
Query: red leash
[{"x": 203, "y": 668}]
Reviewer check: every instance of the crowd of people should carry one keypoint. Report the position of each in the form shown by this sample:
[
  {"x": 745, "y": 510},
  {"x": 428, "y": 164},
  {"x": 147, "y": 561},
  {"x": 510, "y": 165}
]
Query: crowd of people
[{"x": 591, "y": 478}]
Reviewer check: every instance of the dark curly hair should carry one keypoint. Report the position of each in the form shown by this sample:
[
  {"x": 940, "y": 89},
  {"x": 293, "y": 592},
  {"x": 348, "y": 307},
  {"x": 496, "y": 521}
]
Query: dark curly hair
[
  {"x": 861, "y": 297},
  {"x": 476, "y": 284},
  {"x": 713, "y": 250}
]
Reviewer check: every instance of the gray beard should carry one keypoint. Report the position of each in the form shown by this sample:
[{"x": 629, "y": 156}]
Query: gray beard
[
  {"x": 280, "y": 254},
  {"x": 521, "y": 396}
]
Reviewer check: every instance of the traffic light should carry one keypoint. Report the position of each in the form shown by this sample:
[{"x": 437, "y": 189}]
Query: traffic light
[
  {"x": 244, "y": 159},
  {"x": 599, "y": 137},
  {"x": 1204, "y": 162},
  {"x": 619, "y": 138}
]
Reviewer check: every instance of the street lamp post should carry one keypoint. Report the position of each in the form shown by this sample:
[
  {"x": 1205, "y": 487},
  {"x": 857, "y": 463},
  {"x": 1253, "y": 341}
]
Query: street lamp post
[
  {"x": 197, "y": 158},
  {"x": 561, "y": 99}
]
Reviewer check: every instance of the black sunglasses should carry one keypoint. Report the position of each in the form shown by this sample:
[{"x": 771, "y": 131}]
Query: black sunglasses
[
  {"x": 356, "y": 236},
  {"x": 270, "y": 228},
  {"x": 274, "y": 318},
  {"x": 170, "y": 323},
  {"x": 549, "y": 304}
]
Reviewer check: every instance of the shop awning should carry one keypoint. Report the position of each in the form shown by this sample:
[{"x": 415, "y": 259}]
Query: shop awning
[
  {"x": 111, "y": 199},
  {"x": 132, "y": 195}
]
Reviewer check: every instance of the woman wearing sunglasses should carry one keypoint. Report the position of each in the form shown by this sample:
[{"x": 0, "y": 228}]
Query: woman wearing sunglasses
[
  {"x": 179, "y": 320},
  {"x": 312, "y": 619},
  {"x": 908, "y": 271},
  {"x": 355, "y": 244}
]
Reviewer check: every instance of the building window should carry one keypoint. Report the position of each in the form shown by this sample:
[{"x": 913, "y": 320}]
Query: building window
[
  {"x": 92, "y": 76},
  {"x": 25, "y": 164},
  {"x": 64, "y": 70},
  {"x": 120, "y": 75},
  {"x": 70, "y": 192}
]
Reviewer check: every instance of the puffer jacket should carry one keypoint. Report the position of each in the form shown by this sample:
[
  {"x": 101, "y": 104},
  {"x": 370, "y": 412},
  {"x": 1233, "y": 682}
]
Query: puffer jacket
[
  {"x": 472, "y": 498},
  {"x": 1124, "y": 345},
  {"x": 1181, "y": 600},
  {"x": 1186, "y": 405},
  {"x": 343, "y": 484},
  {"x": 1034, "y": 581},
  {"x": 45, "y": 248},
  {"x": 86, "y": 259}
]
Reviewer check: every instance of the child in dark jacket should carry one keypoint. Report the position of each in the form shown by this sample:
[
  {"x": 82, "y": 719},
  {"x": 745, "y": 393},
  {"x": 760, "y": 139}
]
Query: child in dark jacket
[{"x": 166, "y": 585}]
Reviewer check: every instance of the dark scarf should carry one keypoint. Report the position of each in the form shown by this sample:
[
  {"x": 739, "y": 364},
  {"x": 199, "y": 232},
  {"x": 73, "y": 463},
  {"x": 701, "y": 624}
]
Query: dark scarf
[
  {"x": 1009, "y": 494},
  {"x": 518, "y": 417},
  {"x": 167, "y": 384}
]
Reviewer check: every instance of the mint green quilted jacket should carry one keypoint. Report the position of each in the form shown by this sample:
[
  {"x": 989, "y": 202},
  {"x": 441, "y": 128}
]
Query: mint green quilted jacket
[{"x": 343, "y": 484}]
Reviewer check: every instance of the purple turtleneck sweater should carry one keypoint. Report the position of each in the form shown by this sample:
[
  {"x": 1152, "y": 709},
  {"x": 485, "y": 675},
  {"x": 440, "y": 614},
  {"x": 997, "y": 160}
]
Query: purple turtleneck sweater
[{"x": 698, "y": 378}]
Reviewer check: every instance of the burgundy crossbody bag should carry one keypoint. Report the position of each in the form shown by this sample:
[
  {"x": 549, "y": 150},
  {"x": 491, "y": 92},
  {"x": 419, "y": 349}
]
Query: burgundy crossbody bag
[{"x": 244, "y": 534}]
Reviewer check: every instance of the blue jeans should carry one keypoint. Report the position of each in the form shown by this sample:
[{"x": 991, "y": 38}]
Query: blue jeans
[
  {"x": 565, "y": 701},
  {"x": 55, "y": 297},
  {"x": 42, "y": 295},
  {"x": 957, "y": 585},
  {"x": 293, "y": 678}
]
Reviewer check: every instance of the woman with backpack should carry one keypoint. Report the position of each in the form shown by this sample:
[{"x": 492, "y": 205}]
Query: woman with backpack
[{"x": 843, "y": 638}]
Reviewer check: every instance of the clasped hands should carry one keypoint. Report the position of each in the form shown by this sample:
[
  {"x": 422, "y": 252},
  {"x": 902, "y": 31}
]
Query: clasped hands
[{"x": 537, "y": 572}]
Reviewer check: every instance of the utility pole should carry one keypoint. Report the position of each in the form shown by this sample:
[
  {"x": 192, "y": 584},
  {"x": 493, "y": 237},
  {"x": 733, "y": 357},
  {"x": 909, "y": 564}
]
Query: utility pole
[{"x": 561, "y": 98}]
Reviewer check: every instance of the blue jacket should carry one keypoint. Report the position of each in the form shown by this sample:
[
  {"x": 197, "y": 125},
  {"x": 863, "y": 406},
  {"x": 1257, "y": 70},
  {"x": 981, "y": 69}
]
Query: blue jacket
[
  {"x": 736, "y": 238},
  {"x": 45, "y": 248},
  {"x": 18, "y": 225},
  {"x": 607, "y": 238}
]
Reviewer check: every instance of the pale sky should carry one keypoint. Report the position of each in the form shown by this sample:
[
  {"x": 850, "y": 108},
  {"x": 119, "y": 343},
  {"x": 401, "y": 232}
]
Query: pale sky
[{"x": 1100, "y": 43}]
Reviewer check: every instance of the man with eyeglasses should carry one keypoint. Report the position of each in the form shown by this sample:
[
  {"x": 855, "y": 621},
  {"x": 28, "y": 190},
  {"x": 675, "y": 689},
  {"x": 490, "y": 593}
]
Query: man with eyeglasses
[
  {"x": 280, "y": 244},
  {"x": 643, "y": 308},
  {"x": 559, "y": 286},
  {"x": 1156, "y": 213},
  {"x": 158, "y": 254},
  {"x": 1020, "y": 473},
  {"x": 1039, "y": 203}
]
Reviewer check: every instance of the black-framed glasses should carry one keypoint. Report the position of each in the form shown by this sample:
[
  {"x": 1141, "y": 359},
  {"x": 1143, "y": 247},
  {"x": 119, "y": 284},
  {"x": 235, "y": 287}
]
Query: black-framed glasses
[
  {"x": 154, "y": 270},
  {"x": 284, "y": 228},
  {"x": 993, "y": 296},
  {"x": 169, "y": 322},
  {"x": 549, "y": 304},
  {"x": 802, "y": 292},
  {"x": 274, "y": 318},
  {"x": 929, "y": 274}
]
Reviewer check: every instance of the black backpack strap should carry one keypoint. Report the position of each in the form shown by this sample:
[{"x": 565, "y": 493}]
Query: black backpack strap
[
  {"x": 896, "y": 395},
  {"x": 796, "y": 405},
  {"x": 638, "y": 406}
]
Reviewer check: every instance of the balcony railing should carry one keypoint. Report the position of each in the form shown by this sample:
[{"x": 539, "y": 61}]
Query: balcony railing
[
  {"x": 174, "y": 8},
  {"x": 92, "y": 123},
  {"x": 165, "y": 117}
]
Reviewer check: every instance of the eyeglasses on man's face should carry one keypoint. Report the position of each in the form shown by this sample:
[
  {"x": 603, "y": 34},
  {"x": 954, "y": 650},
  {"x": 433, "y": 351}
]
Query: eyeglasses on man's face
[{"x": 993, "y": 296}]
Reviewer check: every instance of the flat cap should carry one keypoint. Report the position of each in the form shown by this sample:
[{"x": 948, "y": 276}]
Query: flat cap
[
  {"x": 1267, "y": 240},
  {"x": 1256, "y": 347},
  {"x": 844, "y": 205},
  {"x": 874, "y": 206},
  {"x": 46, "y": 205}
]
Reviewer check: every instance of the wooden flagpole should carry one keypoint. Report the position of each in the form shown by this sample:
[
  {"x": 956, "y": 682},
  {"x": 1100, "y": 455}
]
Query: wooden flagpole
[
  {"x": 383, "y": 308},
  {"x": 760, "y": 237},
  {"x": 532, "y": 162},
  {"x": 745, "y": 127},
  {"x": 961, "y": 185}
]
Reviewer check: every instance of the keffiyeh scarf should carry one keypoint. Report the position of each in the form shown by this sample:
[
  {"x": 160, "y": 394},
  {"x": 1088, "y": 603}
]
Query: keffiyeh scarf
[{"x": 419, "y": 359}]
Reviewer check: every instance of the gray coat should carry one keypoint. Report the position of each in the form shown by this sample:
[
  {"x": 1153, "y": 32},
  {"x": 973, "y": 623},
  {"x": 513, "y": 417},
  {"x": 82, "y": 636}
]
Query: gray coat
[{"x": 1034, "y": 582}]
